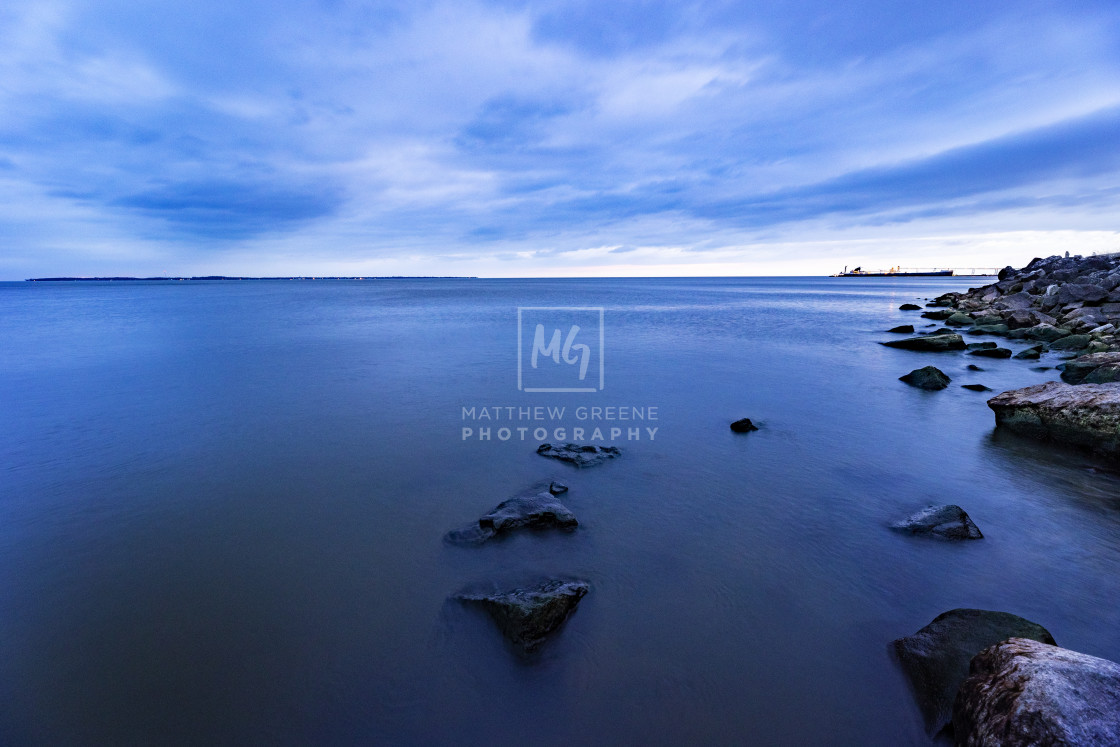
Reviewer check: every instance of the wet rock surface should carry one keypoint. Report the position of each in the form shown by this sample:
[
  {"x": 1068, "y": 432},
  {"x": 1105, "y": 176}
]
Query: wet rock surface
[
  {"x": 928, "y": 343},
  {"x": 743, "y": 425},
  {"x": 536, "y": 507},
  {"x": 930, "y": 378},
  {"x": 585, "y": 455},
  {"x": 1086, "y": 415},
  {"x": 1022, "y": 692},
  {"x": 936, "y": 658},
  {"x": 527, "y": 616},
  {"x": 948, "y": 522}
]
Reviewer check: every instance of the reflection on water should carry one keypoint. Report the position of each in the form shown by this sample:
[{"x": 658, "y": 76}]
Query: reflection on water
[{"x": 222, "y": 508}]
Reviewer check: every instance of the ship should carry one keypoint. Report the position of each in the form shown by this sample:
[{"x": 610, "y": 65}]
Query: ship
[{"x": 894, "y": 272}]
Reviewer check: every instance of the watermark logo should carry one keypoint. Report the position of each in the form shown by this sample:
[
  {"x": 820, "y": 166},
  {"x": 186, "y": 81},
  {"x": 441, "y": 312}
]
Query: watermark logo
[{"x": 560, "y": 348}]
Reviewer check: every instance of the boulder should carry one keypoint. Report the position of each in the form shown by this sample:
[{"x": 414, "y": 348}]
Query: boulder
[
  {"x": 536, "y": 507},
  {"x": 989, "y": 329},
  {"x": 959, "y": 320},
  {"x": 1085, "y": 415},
  {"x": 948, "y": 522},
  {"x": 936, "y": 658},
  {"x": 586, "y": 455},
  {"x": 528, "y": 615},
  {"x": 989, "y": 319},
  {"x": 743, "y": 426},
  {"x": 910, "y": 307},
  {"x": 1029, "y": 354},
  {"x": 992, "y": 352},
  {"x": 1071, "y": 342},
  {"x": 938, "y": 315},
  {"x": 1075, "y": 371},
  {"x": 1014, "y": 301},
  {"x": 981, "y": 346},
  {"x": 907, "y": 329},
  {"x": 926, "y": 378},
  {"x": 1042, "y": 333},
  {"x": 1087, "y": 293},
  {"x": 928, "y": 343},
  {"x": 1104, "y": 374},
  {"x": 1022, "y": 693}
]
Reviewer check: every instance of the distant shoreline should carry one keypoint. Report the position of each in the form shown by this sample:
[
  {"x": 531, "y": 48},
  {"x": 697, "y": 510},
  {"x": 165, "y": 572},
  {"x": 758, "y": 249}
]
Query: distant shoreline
[{"x": 237, "y": 277}]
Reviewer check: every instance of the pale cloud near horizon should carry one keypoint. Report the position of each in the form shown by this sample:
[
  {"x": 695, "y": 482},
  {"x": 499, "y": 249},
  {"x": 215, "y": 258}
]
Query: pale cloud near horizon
[{"x": 539, "y": 138}]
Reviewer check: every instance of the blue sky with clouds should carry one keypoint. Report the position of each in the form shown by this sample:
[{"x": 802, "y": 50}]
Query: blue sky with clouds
[{"x": 562, "y": 137}]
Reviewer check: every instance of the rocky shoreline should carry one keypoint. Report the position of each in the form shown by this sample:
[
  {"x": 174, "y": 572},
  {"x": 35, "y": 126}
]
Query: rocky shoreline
[{"x": 992, "y": 678}]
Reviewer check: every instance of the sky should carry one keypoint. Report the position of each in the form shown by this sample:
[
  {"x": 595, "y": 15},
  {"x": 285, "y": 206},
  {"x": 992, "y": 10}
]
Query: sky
[{"x": 554, "y": 138}]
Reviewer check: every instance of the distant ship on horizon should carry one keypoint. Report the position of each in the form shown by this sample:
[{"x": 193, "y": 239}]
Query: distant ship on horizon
[{"x": 894, "y": 272}]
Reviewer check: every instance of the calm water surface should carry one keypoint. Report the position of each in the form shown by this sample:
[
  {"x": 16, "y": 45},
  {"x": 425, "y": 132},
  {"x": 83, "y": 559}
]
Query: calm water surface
[{"x": 222, "y": 508}]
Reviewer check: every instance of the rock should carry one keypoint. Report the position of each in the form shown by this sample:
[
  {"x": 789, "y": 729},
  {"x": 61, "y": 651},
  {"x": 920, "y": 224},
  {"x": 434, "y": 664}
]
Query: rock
[
  {"x": 1022, "y": 692},
  {"x": 989, "y": 329},
  {"x": 910, "y": 307},
  {"x": 926, "y": 378},
  {"x": 935, "y": 659},
  {"x": 929, "y": 343},
  {"x": 938, "y": 315},
  {"x": 557, "y": 488},
  {"x": 587, "y": 455},
  {"x": 950, "y": 522},
  {"x": 903, "y": 329},
  {"x": 744, "y": 426},
  {"x": 1021, "y": 320},
  {"x": 1015, "y": 302},
  {"x": 1029, "y": 354},
  {"x": 981, "y": 346},
  {"x": 1044, "y": 333},
  {"x": 1071, "y": 342},
  {"x": 536, "y": 507},
  {"x": 1104, "y": 374},
  {"x": 977, "y": 387},
  {"x": 992, "y": 352},
  {"x": 1075, "y": 371},
  {"x": 989, "y": 320},
  {"x": 1086, "y": 293},
  {"x": 959, "y": 320},
  {"x": 1006, "y": 272},
  {"x": 528, "y": 615},
  {"x": 1085, "y": 415},
  {"x": 974, "y": 367}
]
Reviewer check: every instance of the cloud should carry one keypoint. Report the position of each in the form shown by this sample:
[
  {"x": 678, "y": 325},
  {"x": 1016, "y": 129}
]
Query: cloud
[{"x": 347, "y": 131}]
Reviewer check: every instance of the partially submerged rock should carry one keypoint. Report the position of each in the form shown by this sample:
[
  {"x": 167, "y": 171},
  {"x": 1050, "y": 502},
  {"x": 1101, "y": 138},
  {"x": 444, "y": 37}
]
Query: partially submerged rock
[
  {"x": 1076, "y": 370},
  {"x": 743, "y": 425},
  {"x": 1030, "y": 354},
  {"x": 586, "y": 455},
  {"x": 1022, "y": 693},
  {"x": 936, "y": 658},
  {"x": 993, "y": 352},
  {"x": 528, "y": 615},
  {"x": 949, "y": 522},
  {"x": 926, "y": 378},
  {"x": 981, "y": 346},
  {"x": 977, "y": 387},
  {"x": 536, "y": 507},
  {"x": 910, "y": 307},
  {"x": 1085, "y": 415},
  {"x": 928, "y": 343},
  {"x": 906, "y": 329}
]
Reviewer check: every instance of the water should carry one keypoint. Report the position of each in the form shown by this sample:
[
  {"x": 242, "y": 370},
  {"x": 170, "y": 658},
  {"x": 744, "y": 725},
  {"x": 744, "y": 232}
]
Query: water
[{"x": 222, "y": 508}]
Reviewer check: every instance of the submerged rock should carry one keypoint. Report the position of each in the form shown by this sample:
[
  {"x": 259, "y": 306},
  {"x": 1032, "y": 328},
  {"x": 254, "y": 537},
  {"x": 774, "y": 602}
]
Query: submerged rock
[
  {"x": 743, "y": 426},
  {"x": 906, "y": 329},
  {"x": 1085, "y": 415},
  {"x": 977, "y": 387},
  {"x": 929, "y": 343},
  {"x": 586, "y": 455},
  {"x": 994, "y": 352},
  {"x": 926, "y": 378},
  {"x": 1022, "y": 693},
  {"x": 950, "y": 522},
  {"x": 528, "y": 615},
  {"x": 536, "y": 507},
  {"x": 935, "y": 659},
  {"x": 974, "y": 367}
]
